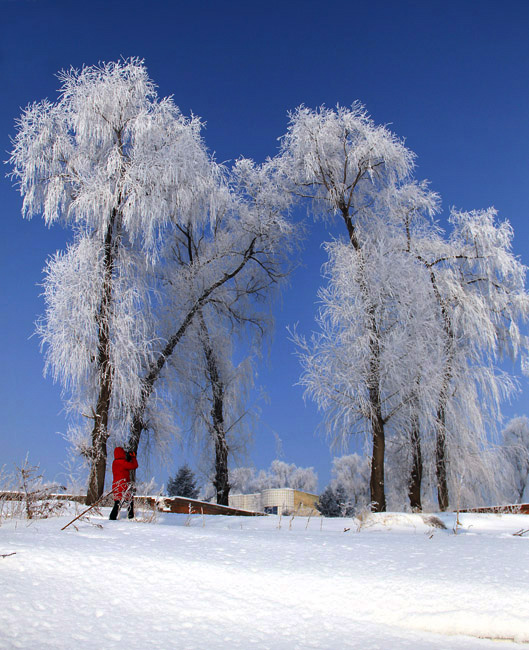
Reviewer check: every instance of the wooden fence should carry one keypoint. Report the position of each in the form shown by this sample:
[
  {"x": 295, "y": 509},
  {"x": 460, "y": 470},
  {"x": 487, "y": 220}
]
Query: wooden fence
[
  {"x": 515, "y": 509},
  {"x": 180, "y": 505}
]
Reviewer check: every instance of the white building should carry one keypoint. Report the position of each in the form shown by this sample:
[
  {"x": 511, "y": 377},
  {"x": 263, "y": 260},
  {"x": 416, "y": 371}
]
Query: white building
[{"x": 277, "y": 501}]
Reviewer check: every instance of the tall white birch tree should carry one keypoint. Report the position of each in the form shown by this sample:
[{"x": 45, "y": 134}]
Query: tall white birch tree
[
  {"x": 216, "y": 271},
  {"x": 342, "y": 161},
  {"x": 116, "y": 162},
  {"x": 477, "y": 287}
]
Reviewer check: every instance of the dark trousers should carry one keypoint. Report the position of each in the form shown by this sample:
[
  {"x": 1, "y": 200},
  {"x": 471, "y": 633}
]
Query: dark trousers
[{"x": 117, "y": 507}]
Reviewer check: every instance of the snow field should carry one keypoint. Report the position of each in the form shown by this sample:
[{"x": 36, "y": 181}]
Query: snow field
[{"x": 225, "y": 582}]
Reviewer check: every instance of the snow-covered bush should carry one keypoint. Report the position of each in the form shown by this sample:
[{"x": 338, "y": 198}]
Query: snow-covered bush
[{"x": 26, "y": 495}]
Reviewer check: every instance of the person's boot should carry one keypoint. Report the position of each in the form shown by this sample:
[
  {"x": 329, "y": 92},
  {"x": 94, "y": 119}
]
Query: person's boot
[{"x": 115, "y": 511}]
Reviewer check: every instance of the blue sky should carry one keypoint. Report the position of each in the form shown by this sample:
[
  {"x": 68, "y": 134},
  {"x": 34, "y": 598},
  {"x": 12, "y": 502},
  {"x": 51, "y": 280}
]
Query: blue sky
[{"x": 452, "y": 78}]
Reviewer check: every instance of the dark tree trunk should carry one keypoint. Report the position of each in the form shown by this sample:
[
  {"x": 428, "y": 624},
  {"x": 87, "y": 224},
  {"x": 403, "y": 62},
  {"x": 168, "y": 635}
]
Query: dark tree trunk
[
  {"x": 377, "y": 487},
  {"x": 377, "y": 483},
  {"x": 138, "y": 418},
  {"x": 135, "y": 434},
  {"x": 98, "y": 460},
  {"x": 441, "y": 464},
  {"x": 221, "y": 481},
  {"x": 440, "y": 461},
  {"x": 378, "y": 496},
  {"x": 414, "y": 489},
  {"x": 217, "y": 427}
]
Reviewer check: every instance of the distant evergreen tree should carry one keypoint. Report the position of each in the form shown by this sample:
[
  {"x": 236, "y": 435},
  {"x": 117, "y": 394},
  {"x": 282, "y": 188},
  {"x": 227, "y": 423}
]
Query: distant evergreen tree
[
  {"x": 327, "y": 504},
  {"x": 183, "y": 484},
  {"x": 334, "y": 503}
]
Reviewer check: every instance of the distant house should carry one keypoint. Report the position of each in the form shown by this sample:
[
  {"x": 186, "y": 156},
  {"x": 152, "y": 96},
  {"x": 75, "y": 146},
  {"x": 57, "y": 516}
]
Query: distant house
[{"x": 276, "y": 501}]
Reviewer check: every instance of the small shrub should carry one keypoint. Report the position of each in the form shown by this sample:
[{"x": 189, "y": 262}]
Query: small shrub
[{"x": 36, "y": 496}]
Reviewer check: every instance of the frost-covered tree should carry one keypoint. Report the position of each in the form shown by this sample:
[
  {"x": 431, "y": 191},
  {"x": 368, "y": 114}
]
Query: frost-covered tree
[
  {"x": 412, "y": 321},
  {"x": 213, "y": 394},
  {"x": 443, "y": 322},
  {"x": 242, "y": 479},
  {"x": 279, "y": 475},
  {"x": 351, "y": 472},
  {"x": 221, "y": 385},
  {"x": 515, "y": 444},
  {"x": 342, "y": 161},
  {"x": 477, "y": 289},
  {"x": 183, "y": 484},
  {"x": 283, "y": 474},
  {"x": 221, "y": 271},
  {"x": 127, "y": 171},
  {"x": 117, "y": 163},
  {"x": 378, "y": 291}
]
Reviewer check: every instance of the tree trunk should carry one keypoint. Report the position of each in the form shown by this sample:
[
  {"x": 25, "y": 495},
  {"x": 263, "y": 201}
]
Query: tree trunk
[
  {"x": 440, "y": 461},
  {"x": 377, "y": 487},
  {"x": 136, "y": 428},
  {"x": 414, "y": 488},
  {"x": 221, "y": 481},
  {"x": 98, "y": 460},
  {"x": 378, "y": 496},
  {"x": 217, "y": 427},
  {"x": 440, "y": 443},
  {"x": 441, "y": 464}
]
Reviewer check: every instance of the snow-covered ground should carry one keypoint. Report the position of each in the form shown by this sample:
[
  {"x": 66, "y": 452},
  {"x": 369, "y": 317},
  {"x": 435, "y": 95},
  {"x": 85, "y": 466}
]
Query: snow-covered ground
[{"x": 230, "y": 582}]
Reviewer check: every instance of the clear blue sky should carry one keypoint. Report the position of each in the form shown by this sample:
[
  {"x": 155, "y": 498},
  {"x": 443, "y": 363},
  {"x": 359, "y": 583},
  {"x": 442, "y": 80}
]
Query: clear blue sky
[{"x": 451, "y": 77}]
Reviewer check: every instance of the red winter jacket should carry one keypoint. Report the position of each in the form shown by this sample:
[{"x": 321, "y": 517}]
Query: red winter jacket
[{"x": 121, "y": 468}]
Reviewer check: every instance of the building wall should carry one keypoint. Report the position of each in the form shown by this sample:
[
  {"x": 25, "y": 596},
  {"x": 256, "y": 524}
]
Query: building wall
[
  {"x": 306, "y": 503},
  {"x": 250, "y": 502},
  {"x": 277, "y": 501}
]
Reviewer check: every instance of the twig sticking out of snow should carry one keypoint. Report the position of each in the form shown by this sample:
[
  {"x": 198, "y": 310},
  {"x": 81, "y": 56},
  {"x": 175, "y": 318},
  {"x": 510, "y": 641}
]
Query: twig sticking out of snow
[
  {"x": 188, "y": 519},
  {"x": 521, "y": 532},
  {"x": 293, "y": 516},
  {"x": 8, "y": 554}
]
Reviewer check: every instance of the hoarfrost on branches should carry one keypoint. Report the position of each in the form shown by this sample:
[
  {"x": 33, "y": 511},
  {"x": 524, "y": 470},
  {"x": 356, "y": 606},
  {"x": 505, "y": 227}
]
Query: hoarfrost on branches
[
  {"x": 219, "y": 274},
  {"x": 413, "y": 321},
  {"x": 515, "y": 446},
  {"x": 279, "y": 475},
  {"x": 173, "y": 257},
  {"x": 121, "y": 166}
]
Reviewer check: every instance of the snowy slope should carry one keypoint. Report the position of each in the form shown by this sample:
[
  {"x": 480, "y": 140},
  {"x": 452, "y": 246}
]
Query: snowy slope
[{"x": 225, "y": 582}]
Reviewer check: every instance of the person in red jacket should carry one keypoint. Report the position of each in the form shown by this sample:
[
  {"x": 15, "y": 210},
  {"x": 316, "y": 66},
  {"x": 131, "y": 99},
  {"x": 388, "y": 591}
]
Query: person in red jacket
[{"x": 124, "y": 463}]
